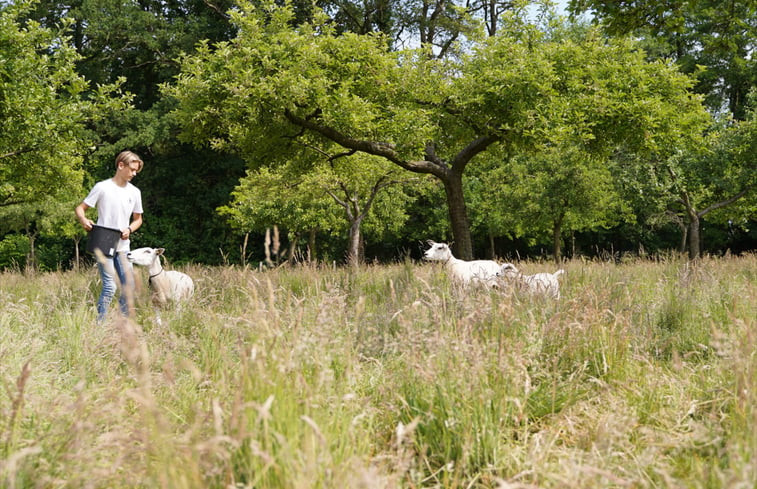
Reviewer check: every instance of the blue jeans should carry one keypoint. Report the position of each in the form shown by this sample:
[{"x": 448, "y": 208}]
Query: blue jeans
[{"x": 124, "y": 270}]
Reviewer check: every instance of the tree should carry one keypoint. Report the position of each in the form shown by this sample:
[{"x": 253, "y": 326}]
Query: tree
[
  {"x": 139, "y": 42},
  {"x": 706, "y": 183},
  {"x": 49, "y": 215},
  {"x": 366, "y": 193},
  {"x": 45, "y": 108},
  {"x": 274, "y": 84},
  {"x": 361, "y": 186},
  {"x": 714, "y": 39},
  {"x": 550, "y": 193},
  {"x": 268, "y": 197},
  {"x": 364, "y": 17},
  {"x": 715, "y": 178}
]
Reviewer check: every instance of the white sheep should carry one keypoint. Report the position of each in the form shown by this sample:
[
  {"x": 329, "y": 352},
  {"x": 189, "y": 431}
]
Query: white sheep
[
  {"x": 476, "y": 271},
  {"x": 167, "y": 285},
  {"x": 538, "y": 283}
]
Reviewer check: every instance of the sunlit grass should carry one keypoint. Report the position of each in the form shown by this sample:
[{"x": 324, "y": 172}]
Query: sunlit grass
[{"x": 642, "y": 375}]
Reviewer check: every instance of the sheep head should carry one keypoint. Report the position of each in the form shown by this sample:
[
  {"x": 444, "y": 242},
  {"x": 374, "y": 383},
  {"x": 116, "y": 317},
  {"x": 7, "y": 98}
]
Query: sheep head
[
  {"x": 508, "y": 270},
  {"x": 144, "y": 256},
  {"x": 437, "y": 252}
]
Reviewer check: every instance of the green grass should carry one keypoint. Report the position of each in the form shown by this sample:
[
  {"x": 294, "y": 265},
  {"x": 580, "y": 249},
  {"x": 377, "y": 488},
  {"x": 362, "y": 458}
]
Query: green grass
[{"x": 643, "y": 375}]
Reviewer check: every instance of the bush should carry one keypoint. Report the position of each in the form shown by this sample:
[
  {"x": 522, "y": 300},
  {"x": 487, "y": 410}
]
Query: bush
[{"x": 14, "y": 248}]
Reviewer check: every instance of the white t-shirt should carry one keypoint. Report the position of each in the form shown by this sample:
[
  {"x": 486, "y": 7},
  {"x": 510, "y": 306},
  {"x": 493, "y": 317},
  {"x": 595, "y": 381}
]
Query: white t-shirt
[{"x": 115, "y": 206}]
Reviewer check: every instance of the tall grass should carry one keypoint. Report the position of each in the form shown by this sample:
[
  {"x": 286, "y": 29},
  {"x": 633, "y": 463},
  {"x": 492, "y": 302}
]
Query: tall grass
[{"x": 644, "y": 374}]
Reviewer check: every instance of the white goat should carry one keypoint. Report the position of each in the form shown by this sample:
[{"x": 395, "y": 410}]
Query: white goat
[
  {"x": 538, "y": 283},
  {"x": 167, "y": 285},
  {"x": 466, "y": 272}
]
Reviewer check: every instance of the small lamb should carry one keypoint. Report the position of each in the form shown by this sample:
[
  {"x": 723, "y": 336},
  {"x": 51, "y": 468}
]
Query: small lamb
[
  {"x": 168, "y": 285},
  {"x": 539, "y": 283},
  {"x": 467, "y": 272}
]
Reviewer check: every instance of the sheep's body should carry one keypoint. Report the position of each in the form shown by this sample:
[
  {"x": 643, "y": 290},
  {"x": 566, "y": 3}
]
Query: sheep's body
[
  {"x": 466, "y": 272},
  {"x": 167, "y": 285},
  {"x": 172, "y": 286},
  {"x": 538, "y": 283}
]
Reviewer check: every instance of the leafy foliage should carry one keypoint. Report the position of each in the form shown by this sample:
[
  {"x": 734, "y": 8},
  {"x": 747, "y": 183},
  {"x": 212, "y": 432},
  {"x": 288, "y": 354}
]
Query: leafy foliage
[
  {"x": 276, "y": 84},
  {"x": 481, "y": 115},
  {"x": 714, "y": 39},
  {"x": 356, "y": 193},
  {"x": 44, "y": 108},
  {"x": 549, "y": 195}
]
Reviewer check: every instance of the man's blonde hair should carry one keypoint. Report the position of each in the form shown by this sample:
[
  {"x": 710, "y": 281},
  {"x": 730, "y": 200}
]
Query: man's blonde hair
[{"x": 128, "y": 157}]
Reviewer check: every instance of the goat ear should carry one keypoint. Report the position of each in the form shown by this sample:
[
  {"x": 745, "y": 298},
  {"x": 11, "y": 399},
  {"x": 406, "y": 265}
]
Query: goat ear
[{"x": 159, "y": 251}]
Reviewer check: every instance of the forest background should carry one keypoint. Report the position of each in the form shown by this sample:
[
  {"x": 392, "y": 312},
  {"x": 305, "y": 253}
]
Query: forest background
[{"x": 355, "y": 130}]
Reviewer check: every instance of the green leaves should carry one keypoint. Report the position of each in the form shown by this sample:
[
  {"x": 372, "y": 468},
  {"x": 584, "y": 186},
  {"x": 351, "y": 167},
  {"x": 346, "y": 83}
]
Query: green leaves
[
  {"x": 694, "y": 33},
  {"x": 45, "y": 107},
  {"x": 277, "y": 89}
]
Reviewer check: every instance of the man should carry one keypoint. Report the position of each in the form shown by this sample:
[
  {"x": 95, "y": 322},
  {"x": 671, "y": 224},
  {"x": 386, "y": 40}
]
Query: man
[{"x": 119, "y": 206}]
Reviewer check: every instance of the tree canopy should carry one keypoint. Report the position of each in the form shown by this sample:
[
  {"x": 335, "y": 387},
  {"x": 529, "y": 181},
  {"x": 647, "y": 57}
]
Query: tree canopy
[
  {"x": 508, "y": 108},
  {"x": 45, "y": 109},
  {"x": 713, "y": 39},
  {"x": 276, "y": 83}
]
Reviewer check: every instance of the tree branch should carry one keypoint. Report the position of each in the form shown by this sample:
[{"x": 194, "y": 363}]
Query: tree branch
[
  {"x": 724, "y": 202},
  {"x": 336, "y": 198},
  {"x": 217, "y": 9},
  {"x": 384, "y": 150},
  {"x": 374, "y": 191},
  {"x": 432, "y": 156},
  {"x": 8, "y": 203},
  {"x": 475, "y": 147},
  {"x": 351, "y": 152},
  {"x": 17, "y": 152}
]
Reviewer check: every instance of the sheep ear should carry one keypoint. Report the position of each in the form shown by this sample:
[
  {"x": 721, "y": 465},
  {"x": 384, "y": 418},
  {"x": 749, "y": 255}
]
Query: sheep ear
[
  {"x": 159, "y": 251},
  {"x": 430, "y": 242}
]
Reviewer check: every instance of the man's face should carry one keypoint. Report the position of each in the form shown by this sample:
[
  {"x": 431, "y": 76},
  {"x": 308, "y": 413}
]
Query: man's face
[{"x": 128, "y": 170}]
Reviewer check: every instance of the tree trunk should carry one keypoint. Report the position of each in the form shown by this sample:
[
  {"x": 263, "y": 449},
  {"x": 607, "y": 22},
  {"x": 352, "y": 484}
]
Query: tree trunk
[
  {"x": 557, "y": 240},
  {"x": 311, "y": 245},
  {"x": 353, "y": 247},
  {"x": 77, "y": 257},
  {"x": 244, "y": 249},
  {"x": 292, "y": 253},
  {"x": 573, "y": 249},
  {"x": 31, "y": 259},
  {"x": 694, "y": 243},
  {"x": 692, "y": 225},
  {"x": 458, "y": 217}
]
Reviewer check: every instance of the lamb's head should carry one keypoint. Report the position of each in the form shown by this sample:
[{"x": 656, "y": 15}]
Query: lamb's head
[
  {"x": 437, "y": 252},
  {"x": 508, "y": 270},
  {"x": 144, "y": 256}
]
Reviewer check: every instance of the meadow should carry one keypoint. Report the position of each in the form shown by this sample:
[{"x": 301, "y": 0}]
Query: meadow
[{"x": 643, "y": 375}]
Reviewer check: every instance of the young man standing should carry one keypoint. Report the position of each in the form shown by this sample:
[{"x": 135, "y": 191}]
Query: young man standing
[{"x": 119, "y": 206}]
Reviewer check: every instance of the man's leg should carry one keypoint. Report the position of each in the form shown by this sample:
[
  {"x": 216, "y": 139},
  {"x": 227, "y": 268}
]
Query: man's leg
[
  {"x": 108, "y": 288},
  {"x": 126, "y": 279}
]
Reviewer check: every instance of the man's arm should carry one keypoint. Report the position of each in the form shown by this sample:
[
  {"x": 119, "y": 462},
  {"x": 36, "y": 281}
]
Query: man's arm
[
  {"x": 82, "y": 217},
  {"x": 136, "y": 223}
]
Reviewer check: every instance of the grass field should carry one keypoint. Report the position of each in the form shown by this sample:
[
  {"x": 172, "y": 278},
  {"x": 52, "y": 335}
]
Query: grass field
[{"x": 643, "y": 375}]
